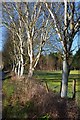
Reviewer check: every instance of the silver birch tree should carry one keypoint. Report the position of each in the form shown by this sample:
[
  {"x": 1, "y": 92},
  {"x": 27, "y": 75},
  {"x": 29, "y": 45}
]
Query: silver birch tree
[
  {"x": 33, "y": 24},
  {"x": 17, "y": 31},
  {"x": 66, "y": 30}
]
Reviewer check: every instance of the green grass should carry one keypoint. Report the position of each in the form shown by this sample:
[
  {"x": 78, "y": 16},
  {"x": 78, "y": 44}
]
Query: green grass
[
  {"x": 78, "y": 93},
  {"x": 8, "y": 90},
  {"x": 53, "y": 80},
  {"x": 55, "y": 75}
]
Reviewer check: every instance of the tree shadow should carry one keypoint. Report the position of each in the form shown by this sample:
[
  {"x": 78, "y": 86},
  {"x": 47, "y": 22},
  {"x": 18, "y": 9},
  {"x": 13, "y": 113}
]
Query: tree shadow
[
  {"x": 8, "y": 77},
  {"x": 46, "y": 76},
  {"x": 5, "y": 75},
  {"x": 47, "y": 73}
]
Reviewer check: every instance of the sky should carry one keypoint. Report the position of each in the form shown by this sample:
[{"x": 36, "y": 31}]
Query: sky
[
  {"x": 3, "y": 35},
  {"x": 75, "y": 44}
]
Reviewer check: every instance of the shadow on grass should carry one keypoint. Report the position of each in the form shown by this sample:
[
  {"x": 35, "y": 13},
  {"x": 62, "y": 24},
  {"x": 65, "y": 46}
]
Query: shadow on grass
[
  {"x": 45, "y": 76},
  {"x": 47, "y": 73},
  {"x": 5, "y": 75},
  {"x": 44, "y": 73}
]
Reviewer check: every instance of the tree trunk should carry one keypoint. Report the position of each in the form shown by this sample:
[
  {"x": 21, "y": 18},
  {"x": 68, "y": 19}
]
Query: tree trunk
[
  {"x": 21, "y": 56},
  {"x": 65, "y": 75},
  {"x": 22, "y": 70},
  {"x": 30, "y": 74},
  {"x": 15, "y": 70},
  {"x": 22, "y": 66},
  {"x": 30, "y": 52},
  {"x": 19, "y": 68},
  {"x": 74, "y": 88},
  {"x": 13, "y": 66}
]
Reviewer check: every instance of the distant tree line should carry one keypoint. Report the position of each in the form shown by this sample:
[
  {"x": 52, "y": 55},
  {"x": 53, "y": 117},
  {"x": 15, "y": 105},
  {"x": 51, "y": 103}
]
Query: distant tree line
[{"x": 53, "y": 61}]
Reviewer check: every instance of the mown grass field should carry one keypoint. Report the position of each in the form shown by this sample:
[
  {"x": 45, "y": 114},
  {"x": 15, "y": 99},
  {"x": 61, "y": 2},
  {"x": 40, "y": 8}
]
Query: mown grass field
[{"x": 53, "y": 80}]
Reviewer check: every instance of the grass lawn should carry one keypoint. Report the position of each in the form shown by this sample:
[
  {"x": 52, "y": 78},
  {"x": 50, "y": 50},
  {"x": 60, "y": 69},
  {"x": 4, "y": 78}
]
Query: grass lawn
[{"x": 53, "y": 80}]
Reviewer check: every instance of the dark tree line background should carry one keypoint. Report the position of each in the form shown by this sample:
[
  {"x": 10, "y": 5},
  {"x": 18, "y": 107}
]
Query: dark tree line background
[{"x": 51, "y": 61}]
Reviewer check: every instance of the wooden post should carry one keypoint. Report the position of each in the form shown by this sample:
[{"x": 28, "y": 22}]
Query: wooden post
[
  {"x": 74, "y": 88},
  {"x": 47, "y": 88},
  {"x": 60, "y": 87}
]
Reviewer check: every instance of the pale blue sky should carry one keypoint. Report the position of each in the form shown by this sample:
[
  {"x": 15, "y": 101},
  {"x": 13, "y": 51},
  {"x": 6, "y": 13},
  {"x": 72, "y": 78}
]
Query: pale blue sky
[
  {"x": 75, "y": 44},
  {"x": 3, "y": 35}
]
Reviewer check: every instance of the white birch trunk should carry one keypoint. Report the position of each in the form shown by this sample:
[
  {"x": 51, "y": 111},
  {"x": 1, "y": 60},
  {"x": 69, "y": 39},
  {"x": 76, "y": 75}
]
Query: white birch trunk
[
  {"x": 15, "y": 70},
  {"x": 13, "y": 66},
  {"x": 30, "y": 53},
  {"x": 30, "y": 67},
  {"x": 22, "y": 66},
  {"x": 22, "y": 70},
  {"x": 65, "y": 75},
  {"x": 19, "y": 68},
  {"x": 22, "y": 60},
  {"x": 21, "y": 54},
  {"x": 30, "y": 74}
]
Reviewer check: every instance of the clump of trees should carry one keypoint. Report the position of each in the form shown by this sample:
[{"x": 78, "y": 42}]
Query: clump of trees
[
  {"x": 29, "y": 27},
  {"x": 33, "y": 26},
  {"x": 51, "y": 62}
]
